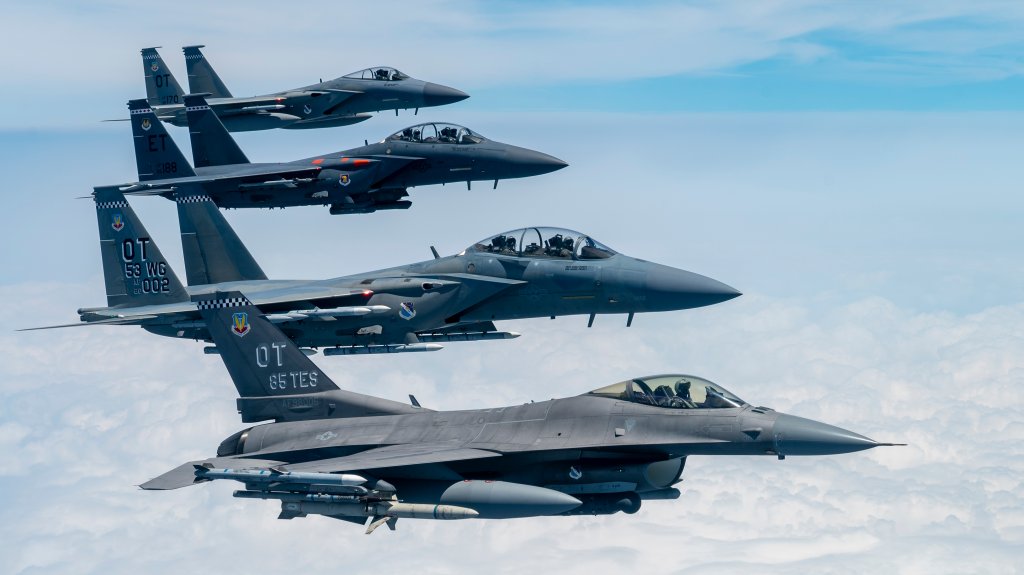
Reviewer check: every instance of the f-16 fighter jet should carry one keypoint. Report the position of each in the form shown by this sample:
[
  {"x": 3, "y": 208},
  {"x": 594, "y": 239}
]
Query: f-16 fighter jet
[
  {"x": 339, "y": 102},
  {"x": 360, "y": 180},
  {"x": 371, "y": 461},
  {"x": 532, "y": 272}
]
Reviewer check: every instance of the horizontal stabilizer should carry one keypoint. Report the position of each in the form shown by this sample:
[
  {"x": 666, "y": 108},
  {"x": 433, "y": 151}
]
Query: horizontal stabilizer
[{"x": 185, "y": 474}]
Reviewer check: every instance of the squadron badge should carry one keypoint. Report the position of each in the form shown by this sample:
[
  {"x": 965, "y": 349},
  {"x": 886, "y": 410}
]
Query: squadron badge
[
  {"x": 145, "y": 125},
  {"x": 117, "y": 222},
  {"x": 406, "y": 310},
  {"x": 154, "y": 66},
  {"x": 240, "y": 323},
  {"x": 344, "y": 179}
]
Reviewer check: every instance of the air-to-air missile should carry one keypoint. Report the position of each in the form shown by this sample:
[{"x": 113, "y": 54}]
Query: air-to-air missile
[
  {"x": 369, "y": 460},
  {"x": 340, "y": 102}
]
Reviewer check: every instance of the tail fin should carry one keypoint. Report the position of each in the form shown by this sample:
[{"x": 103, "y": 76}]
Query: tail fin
[
  {"x": 201, "y": 77},
  {"x": 212, "y": 144},
  {"x": 134, "y": 270},
  {"x": 156, "y": 155},
  {"x": 161, "y": 87},
  {"x": 213, "y": 252},
  {"x": 260, "y": 358}
]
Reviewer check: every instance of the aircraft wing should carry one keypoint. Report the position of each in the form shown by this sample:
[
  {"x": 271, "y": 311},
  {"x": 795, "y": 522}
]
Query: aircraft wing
[
  {"x": 378, "y": 458},
  {"x": 264, "y": 175},
  {"x": 393, "y": 456},
  {"x": 127, "y": 320}
]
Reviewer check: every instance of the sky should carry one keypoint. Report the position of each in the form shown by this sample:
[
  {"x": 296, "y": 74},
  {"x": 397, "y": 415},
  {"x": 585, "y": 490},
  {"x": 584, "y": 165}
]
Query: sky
[{"x": 853, "y": 168}]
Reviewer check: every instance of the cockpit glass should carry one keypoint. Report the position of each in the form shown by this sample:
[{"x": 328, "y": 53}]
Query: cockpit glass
[
  {"x": 672, "y": 391},
  {"x": 381, "y": 73},
  {"x": 434, "y": 133},
  {"x": 549, "y": 243}
]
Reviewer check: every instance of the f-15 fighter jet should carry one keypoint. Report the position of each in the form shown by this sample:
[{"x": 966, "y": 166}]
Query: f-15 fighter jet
[
  {"x": 371, "y": 461},
  {"x": 526, "y": 273},
  {"x": 339, "y": 102},
  {"x": 360, "y": 180}
]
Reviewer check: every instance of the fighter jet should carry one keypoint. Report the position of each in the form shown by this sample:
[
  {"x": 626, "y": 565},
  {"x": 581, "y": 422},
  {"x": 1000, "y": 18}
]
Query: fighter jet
[
  {"x": 360, "y": 180},
  {"x": 532, "y": 272},
  {"x": 339, "y": 102},
  {"x": 369, "y": 460}
]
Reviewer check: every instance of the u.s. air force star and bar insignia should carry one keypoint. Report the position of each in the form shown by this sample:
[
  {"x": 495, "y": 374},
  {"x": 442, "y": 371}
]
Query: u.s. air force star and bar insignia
[
  {"x": 117, "y": 222},
  {"x": 344, "y": 179},
  {"x": 240, "y": 324},
  {"x": 145, "y": 125},
  {"x": 406, "y": 310}
]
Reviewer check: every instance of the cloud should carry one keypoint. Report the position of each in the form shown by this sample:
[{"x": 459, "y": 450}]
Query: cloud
[
  {"x": 477, "y": 46},
  {"x": 121, "y": 406}
]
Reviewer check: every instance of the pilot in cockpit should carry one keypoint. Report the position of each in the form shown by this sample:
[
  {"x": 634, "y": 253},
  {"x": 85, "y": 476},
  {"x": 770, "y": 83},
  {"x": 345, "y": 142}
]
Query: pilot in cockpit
[{"x": 380, "y": 74}]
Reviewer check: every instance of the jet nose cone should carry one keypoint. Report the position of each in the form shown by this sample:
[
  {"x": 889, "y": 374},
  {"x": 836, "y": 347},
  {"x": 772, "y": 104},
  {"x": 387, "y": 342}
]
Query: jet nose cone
[
  {"x": 798, "y": 436},
  {"x": 680, "y": 289},
  {"x": 438, "y": 95},
  {"x": 526, "y": 162}
]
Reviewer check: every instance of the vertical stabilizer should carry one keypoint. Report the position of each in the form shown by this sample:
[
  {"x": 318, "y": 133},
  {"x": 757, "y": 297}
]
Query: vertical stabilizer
[
  {"x": 161, "y": 87},
  {"x": 213, "y": 252},
  {"x": 212, "y": 144},
  {"x": 157, "y": 157},
  {"x": 202, "y": 79},
  {"x": 260, "y": 358},
  {"x": 134, "y": 270}
]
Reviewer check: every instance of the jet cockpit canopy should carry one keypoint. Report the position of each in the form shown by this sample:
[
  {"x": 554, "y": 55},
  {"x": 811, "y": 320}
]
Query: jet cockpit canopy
[
  {"x": 437, "y": 133},
  {"x": 551, "y": 243},
  {"x": 382, "y": 73},
  {"x": 675, "y": 391}
]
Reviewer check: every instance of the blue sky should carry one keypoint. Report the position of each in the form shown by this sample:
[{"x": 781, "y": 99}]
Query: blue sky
[{"x": 852, "y": 167}]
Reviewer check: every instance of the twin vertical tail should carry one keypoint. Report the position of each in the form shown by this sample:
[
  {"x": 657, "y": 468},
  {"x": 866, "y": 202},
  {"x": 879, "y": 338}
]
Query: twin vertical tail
[
  {"x": 212, "y": 144},
  {"x": 157, "y": 157},
  {"x": 213, "y": 252},
  {"x": 260, "y": 358},
  {"x": 202, "y": 79},
  {"x": 161, "y": 87},
  {"x": 134, "y": 270}
]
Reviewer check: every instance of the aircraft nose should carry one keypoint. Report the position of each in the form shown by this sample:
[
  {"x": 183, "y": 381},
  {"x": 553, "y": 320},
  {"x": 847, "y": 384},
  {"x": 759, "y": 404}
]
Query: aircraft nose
[
  {"x": 531, "y": 162},
  {"x": 680, "y": 289},
  {"x": 798, "y": 436},
  {"x": 438, "y": 95}
]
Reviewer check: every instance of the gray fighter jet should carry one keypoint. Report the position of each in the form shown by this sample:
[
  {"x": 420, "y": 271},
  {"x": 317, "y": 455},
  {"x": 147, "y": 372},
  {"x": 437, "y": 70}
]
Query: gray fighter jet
[
  {"x": 361, "y": 180},
  {"x": 339, "y": 102},
  {"x": 369, "y": 460},
  {"x": 532, "y": 272}
]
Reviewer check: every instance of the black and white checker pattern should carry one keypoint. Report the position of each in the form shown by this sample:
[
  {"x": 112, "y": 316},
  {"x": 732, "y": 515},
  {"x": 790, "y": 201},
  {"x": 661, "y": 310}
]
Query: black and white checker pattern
[
  {"x": 223, "y": 303},
  {"x": 192, "y": 199},
  {"x": 111, "y": 205}
]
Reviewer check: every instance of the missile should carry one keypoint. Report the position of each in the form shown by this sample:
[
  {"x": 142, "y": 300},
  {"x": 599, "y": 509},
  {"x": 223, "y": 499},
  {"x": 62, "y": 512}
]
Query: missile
[
  {"x": 389, "y": 348},
  {"x": 467, "y": 336},
  {"x": 381, "y": 509},
  {"x": 271, "y": 479},
  {"x": 326, "y": 314}
]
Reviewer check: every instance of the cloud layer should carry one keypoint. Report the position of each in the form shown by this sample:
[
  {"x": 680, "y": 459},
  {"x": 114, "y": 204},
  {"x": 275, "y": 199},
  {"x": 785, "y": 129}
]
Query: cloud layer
[{"x": 118, "y": 408}]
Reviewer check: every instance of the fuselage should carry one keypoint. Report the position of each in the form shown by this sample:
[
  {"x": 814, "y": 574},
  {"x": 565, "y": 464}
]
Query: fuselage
[{"x": 470, "y": 288}]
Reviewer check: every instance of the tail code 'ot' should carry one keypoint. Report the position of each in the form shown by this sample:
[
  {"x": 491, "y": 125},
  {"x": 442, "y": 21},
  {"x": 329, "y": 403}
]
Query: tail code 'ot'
[
  {"x": 134, "y": 270},
  {"x": 261, "y": 359},
  {"x": 161, "y": 87}
]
